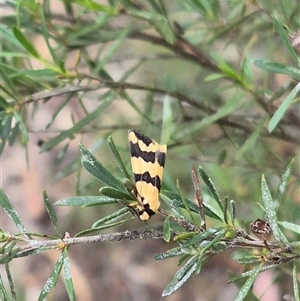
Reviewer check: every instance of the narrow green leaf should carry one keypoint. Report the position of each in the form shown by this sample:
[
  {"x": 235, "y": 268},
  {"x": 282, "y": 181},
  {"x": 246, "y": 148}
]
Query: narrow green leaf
[
  {"x": 6, "y": 127},
  {"x": 46, "y": 36},
  {"x": 130, "y": 186},
  {"x": 225, "y": 67},
  {"x": 181, "y": 276},
  {"x": 85, "y": 201},
  {"x": 285, "y": 39},
  {"x": 118, "y": 157},
  {"x": 184, "y": 269},
  {"x": 185, "y": 235},
  {"x": 285, "y": 180},
  {"x": 22, "y": 126},
  {"x": 290, "y": 226},
  {"x": 10, "y": 252},
  {"x": 183, "y": 258},
  {"x": 34, "y": 251},
  {"x": 183, "y": 200},
  {"x": 196, "y": 239},
  {"x": 3, "y": 103},
  {"x": 68, "y": 276},
  {"x": 206, "y": 7},
  {"x": 225, "y": 213},
  {"x": 232, "y": 211},
  {"x": 249, "y": 260},
  {"x": 3, "y": 292},
  {"x": 214, "y": 76},
  {"x": 159, "y": 20},
  {"x": 249, "y": 273},
  {"x": 277, "y": 68},
  {"x": 52, "y": 280},
  {"x": 295, "y": 283},
  {"x": 60, "y": 156},
  {"x": 11, "y": 283},
  {"x": 247, "y": 285},
  {"x": 166, "y": 31},
  {"x": 167, "y": 229},
  {"x": 278, "y": 115},
  {"x": 11, "y": 212},
  {"x": 172, "y": 199},
  {"x": 25, "y": 43},
  {"x": 111, "y": 217},
  {"x": 7, "y": 37},
  {"x": 95, "y": 168},
  {"x": 95, "y": 6},
  {"x": 34, "y": 76},
  {"x": 178, "y": 211},
  {"x": 52, "y": 214},
  {"x": 158, "y": 7},
  {"x": 79, "y": 125},
  {"x": 199, "y": 265},
  {"x": 211, "y": 187},
  {"x": 10, "y": 87},
  {"x": 104, "y": 227},
  {"x": 147, "y": 15},
  {"x": 115, "y": 193},
  {"x": 15, "y": 132},
  {"x": 218, "y": 237},
  {"x": 131, "y": 71},
  {"x": 77, "y": 38},
  {"x": 246, "y": 72},
  {"x": 175, "y": 252},
  {"x": 270, "y": 211},
  {"x": 221, "y": 246},
  {"x": 221, "y": 157},
  {"x": 71, "y": 168}
]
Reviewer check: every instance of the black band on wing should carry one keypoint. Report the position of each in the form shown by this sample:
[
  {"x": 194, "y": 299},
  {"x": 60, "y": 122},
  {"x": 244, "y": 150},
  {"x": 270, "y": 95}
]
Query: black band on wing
[
  {"x": 146, "y": 177},
  {"x": 137, "y": 152},
  {"x": 161, "y": 158},
  {"x": 148, "y": 210},
  {"x": 143, "y": 137},
  {"x": 147, "y": 156}
]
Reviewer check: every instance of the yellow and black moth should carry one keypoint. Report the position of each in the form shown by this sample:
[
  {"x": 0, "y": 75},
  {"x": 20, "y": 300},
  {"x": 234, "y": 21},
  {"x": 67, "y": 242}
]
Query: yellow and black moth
[{"x": 147, "y": 161}]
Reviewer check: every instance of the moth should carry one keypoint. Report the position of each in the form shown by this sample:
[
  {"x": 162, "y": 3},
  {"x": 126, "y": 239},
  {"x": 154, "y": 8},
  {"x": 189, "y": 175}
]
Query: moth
[{"x": 147, "y": 161}]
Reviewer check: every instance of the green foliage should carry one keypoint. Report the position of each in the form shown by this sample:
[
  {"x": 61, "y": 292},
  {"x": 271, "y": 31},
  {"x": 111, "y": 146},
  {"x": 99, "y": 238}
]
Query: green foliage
[
  {"x": 217, "y": 80},
  {"x": 52, "y": 280},
  {"x": 11, "y": 212},
  {"x": 196, "y": 248}
]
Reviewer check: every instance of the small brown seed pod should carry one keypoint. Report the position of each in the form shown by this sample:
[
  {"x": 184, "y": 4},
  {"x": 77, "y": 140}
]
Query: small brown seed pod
[{"x": 261, "y": 229}]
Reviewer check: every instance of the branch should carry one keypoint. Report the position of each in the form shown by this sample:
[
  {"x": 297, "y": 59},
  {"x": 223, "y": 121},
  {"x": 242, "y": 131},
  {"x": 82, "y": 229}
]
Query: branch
[
  {"x": 277, "y": 253},
  {"x": 36, "y": 246},
  {"x": 102, "y": 84}
]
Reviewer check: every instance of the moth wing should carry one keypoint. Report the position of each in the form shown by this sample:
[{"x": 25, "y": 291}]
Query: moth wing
[
  {"x": 147, "y": 161},
  {"x": 160, "y": 158}
]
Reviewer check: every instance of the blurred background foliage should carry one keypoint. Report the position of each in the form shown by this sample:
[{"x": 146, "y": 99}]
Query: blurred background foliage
[{"x": 217, "y": 81}]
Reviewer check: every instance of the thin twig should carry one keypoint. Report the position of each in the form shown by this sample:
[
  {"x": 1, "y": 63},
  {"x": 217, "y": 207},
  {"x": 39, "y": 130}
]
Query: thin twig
[
  {"x": 57, "y": 244},
  {"x": 278, "y": 252},
  {"x": 102, "y": 84}
]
